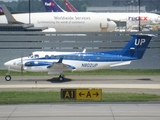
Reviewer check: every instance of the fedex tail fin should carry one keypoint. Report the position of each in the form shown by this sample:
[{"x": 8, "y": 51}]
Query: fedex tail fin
[
  {"x": 69, "y": 6},
  {"x": 52, "y": 6},
  {"x": 10, "y": 18},
  {"x": 1, "y": 10},
  {"x": 137, "y": 46}
]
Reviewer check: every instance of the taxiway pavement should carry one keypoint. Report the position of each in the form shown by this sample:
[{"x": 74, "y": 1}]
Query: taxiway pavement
[
  {"x": 137, "y": 84},
  {"x": 79, "y": 111}
]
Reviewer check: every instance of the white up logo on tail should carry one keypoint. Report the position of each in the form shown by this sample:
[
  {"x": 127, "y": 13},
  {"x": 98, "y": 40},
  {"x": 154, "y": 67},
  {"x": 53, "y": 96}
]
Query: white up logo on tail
[{"x": 139, "y": 41}]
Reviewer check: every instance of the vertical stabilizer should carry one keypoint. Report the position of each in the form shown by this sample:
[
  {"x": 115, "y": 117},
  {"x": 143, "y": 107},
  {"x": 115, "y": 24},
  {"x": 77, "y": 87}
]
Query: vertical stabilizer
[
  {"x": 52, "y": 6},
  {"x": 69, "y": 6},
  {"x": 10, "y": 18},
  {"x": 137, "y": 45},
  {"x": 1, "y": 10}
]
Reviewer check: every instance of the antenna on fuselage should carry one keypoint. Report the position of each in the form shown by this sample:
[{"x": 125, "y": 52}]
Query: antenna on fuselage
[{"x": 84, "y": 50}]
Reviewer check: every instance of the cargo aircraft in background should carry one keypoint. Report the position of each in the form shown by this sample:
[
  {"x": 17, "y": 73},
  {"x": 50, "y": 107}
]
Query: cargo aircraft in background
[
  {"x": 131, "y": 19},
  {"x": 52, "y": 6},
  {"x": 1, "y": 10},
  {"x": 62, "y": 21},
  {"x": 58, "y": 62},
  {"x": 69, "y": 6}
]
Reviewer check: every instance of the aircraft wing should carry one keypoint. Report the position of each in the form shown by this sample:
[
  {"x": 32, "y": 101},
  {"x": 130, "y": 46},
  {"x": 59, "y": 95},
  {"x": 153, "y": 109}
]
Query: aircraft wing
[{"x": 59, "y": 67}]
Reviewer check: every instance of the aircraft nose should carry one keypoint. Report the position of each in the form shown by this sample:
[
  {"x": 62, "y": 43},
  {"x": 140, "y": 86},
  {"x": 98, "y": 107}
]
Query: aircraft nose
[
  {"x": 112, "y": 26},
  {"x": 7, "y": 64}
]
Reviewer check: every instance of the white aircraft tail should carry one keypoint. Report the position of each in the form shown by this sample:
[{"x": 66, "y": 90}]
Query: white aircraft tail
[{"x": 9, "y": 17}]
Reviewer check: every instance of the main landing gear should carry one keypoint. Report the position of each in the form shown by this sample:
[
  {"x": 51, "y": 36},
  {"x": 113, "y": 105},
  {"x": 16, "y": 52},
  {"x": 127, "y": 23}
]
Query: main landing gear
[{"x": 61, "y": 77}]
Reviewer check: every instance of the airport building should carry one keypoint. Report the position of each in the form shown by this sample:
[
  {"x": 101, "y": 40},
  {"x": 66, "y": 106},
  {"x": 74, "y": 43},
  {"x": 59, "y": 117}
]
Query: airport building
[{"x": 117, "y": 9}]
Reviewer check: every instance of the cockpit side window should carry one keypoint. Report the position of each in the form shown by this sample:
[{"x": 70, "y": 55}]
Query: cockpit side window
[
  {"x": 46, "y": 56},
  {"x": 36, "y": 56},
  {"x": 52, "y": 56},
  {"x": 30, "y": 56}
]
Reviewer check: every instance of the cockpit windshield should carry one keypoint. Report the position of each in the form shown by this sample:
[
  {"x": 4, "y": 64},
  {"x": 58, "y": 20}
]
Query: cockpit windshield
[
  {"x": 33, "y": 56},
  {"x": 30, "y": 56}
]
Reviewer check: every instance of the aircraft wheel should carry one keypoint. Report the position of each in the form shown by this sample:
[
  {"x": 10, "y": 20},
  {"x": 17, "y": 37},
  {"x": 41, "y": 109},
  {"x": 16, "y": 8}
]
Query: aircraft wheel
[
  {"x": 61, "y": 78},
  {"x": 8, "y": 78}
]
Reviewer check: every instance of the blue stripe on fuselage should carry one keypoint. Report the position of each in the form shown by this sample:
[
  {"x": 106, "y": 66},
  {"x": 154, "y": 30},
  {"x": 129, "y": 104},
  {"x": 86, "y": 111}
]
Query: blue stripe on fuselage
[{"x": 94, "y": 57}]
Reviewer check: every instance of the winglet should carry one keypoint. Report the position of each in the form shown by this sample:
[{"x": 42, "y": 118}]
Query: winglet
[
  {"x": 60, "y": 60},
  {"x": 10, "y": 18}
]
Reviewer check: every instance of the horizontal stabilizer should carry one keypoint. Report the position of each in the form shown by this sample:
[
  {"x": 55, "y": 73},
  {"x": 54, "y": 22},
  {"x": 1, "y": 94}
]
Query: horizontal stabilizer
[{"x": 120, "y": 64}]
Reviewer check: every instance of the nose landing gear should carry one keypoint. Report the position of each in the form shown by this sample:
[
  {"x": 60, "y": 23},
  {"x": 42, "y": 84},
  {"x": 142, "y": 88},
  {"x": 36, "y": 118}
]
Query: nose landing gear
[{"x": 8, "y": 77}]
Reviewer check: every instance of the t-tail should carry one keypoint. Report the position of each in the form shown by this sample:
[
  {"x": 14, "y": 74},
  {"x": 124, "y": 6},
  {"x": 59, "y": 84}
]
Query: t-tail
[
  {"x": 69, "y": 6},
  {"x": 137, "y": 46},
  {"x": 52, "y": 6}
]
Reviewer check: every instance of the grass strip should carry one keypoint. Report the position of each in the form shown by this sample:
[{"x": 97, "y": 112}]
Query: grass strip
[
  {"x": 95, "y": 72},
  {"x": 28, "y": 97}
]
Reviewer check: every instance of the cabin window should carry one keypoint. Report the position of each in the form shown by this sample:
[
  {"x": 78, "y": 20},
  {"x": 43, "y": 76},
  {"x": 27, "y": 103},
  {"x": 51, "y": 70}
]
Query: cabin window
[
  {"x": 57, "y": 56},
  {"x": 52, "y": 56},
  {"x": 98, "y": 58},
  {"x": 61, "y": 56},
  {"x": 79, "y": 57},
  {"x": 46, "y": 56},
  {"x": 74, "y": 57},
  {"x": 35, "y": 62}
]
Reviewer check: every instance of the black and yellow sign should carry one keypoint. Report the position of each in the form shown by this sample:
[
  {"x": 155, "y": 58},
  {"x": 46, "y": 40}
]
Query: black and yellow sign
[
  {"x": 68, "y": 93},
  {"x": 88, "y": 94},
  {"x": 81, "y": 94}
]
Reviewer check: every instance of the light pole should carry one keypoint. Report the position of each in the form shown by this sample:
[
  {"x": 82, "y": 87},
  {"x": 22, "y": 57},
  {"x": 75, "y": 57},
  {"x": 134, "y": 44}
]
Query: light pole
[
  {"x": 29, "y": 12},
  {"x": 139, "y": 2}
]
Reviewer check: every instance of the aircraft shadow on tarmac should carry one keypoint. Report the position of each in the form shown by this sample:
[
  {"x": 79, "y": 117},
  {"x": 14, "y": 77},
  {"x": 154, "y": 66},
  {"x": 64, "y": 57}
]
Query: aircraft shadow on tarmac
[
  {"x": 55, "y": 80},
  {"x": 52, "y": 80},
  {"x": 145, "y": 79}
]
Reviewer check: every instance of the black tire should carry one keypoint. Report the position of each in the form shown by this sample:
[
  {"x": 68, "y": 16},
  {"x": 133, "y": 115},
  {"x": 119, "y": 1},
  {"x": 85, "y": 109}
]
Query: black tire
[
  {"x": 61, "y": 78},
  {"x": 8, "y": 78}
]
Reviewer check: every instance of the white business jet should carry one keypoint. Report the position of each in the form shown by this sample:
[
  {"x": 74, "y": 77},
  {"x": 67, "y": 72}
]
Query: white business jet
[{"x": 59, "y": 62}]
